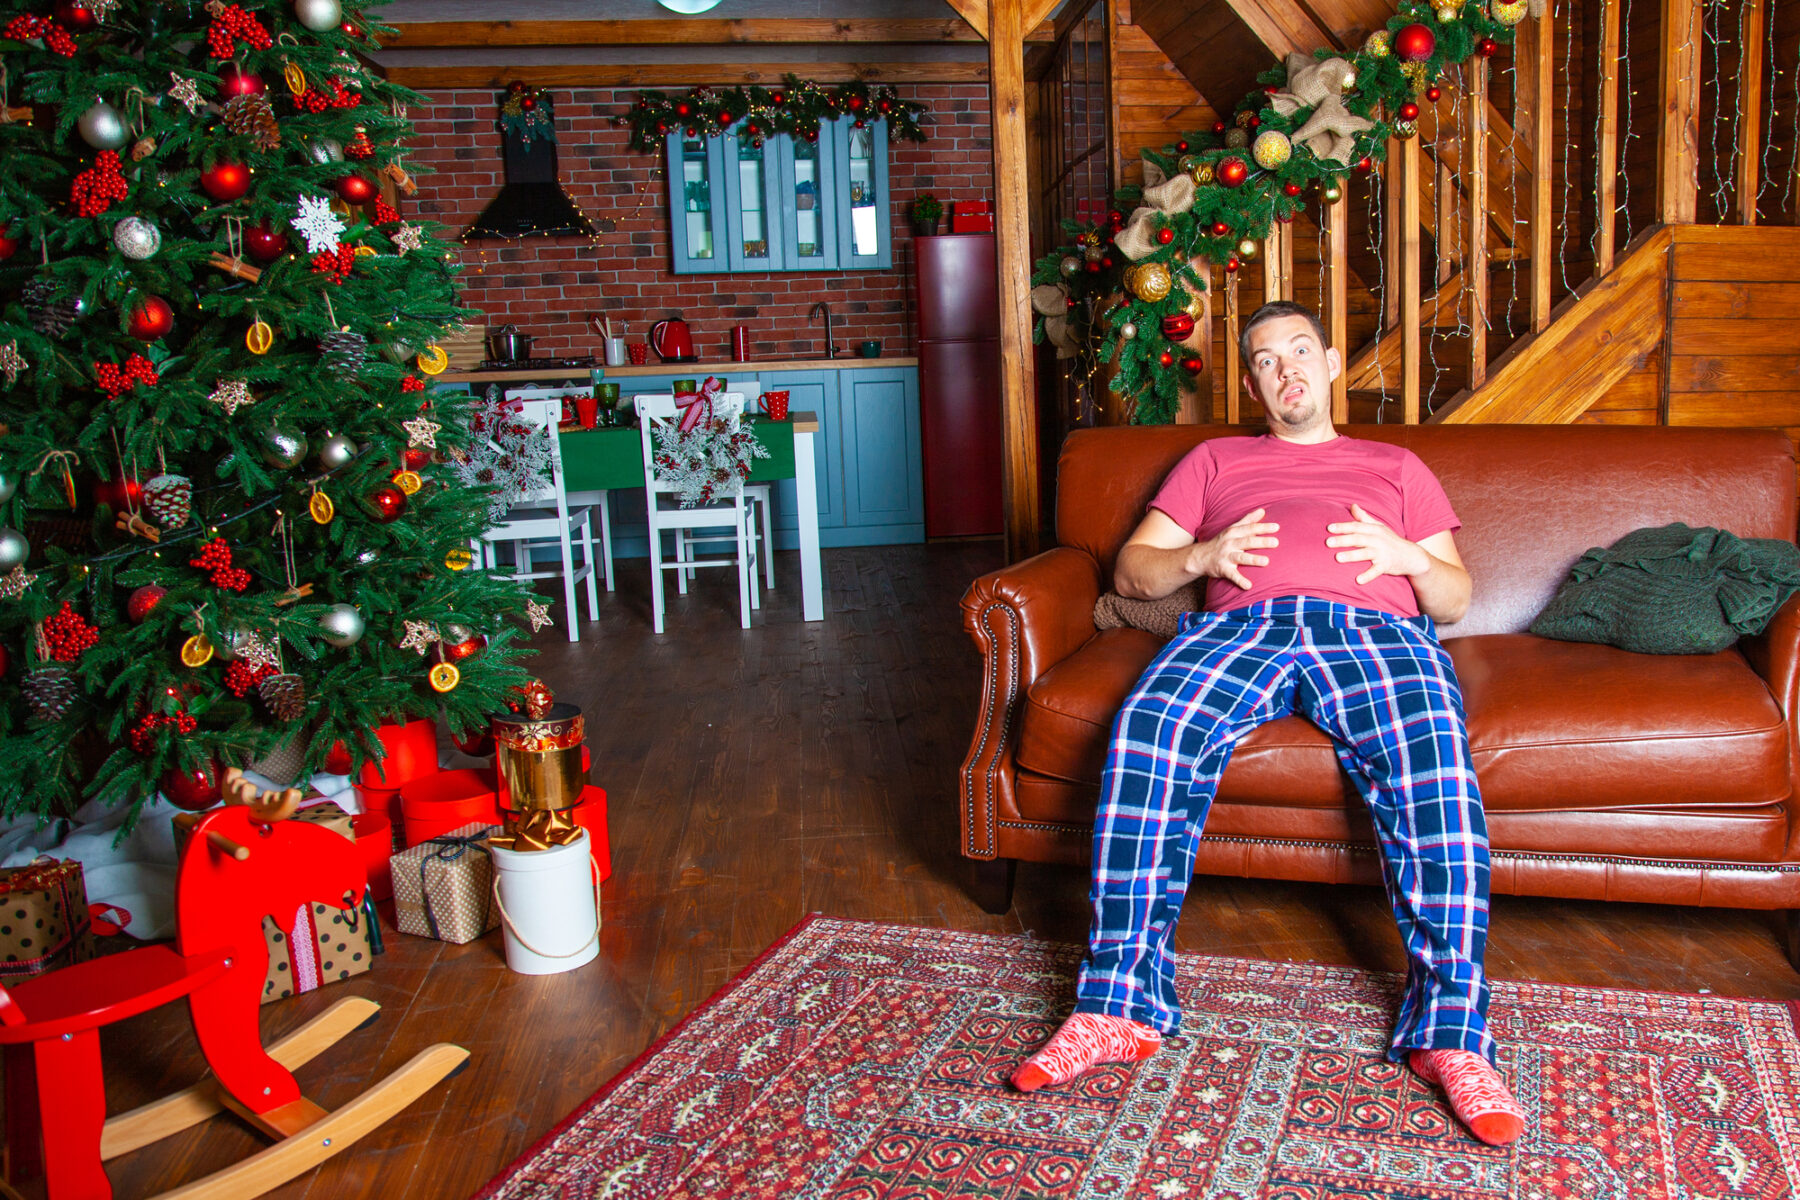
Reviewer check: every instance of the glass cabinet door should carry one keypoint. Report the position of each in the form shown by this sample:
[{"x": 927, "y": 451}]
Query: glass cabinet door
[
  {"x": 694, "y": 179},
  {"x": 752, "y": 220},
  {"x": 808, "y": 190},
  {"x": 863, "y": 219}
]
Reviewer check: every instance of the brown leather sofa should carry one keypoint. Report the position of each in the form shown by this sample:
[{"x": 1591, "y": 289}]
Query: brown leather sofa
[{"x": 1606, "y": 774}]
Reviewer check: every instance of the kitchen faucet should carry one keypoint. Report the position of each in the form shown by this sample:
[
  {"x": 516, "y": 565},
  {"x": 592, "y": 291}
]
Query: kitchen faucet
[{"x": 830, "y": 349}]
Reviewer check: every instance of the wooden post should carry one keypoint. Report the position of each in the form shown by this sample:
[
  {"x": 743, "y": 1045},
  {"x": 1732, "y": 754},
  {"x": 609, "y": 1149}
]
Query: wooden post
[
  {"x": 1392, "y": 231},
  {"x": 1411, "y": 360},
  {"x": 1443, "y": 224},
  {"x": 1750, "y": 72},
  {"x": 1234, "y": 368},
  {"x": 1018, "y": 384},
  {"x": 1274, "y": 279},
  {"x": 1475, "y": 258},
  {"x": 1337, "y": 303},
  {"x": 1536, "y": 53},
  {"x": 1678, "y": 156},
  {"x": 1606, "y": 199}
]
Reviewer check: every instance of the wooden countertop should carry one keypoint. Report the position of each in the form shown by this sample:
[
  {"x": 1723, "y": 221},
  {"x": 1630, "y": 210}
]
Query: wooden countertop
[{"x": 699, "y": 370}]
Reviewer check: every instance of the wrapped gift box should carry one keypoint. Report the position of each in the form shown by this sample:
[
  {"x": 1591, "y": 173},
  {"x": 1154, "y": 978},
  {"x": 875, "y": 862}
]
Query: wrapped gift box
[
  {"x": 44, "y": 919},
  {"x": 444, "y": 888},
  {"x": 329, "y": 944}
]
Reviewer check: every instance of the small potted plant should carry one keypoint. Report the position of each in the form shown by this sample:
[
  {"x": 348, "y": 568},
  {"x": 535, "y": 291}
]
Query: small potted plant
[{"x": 926, "y": 212}]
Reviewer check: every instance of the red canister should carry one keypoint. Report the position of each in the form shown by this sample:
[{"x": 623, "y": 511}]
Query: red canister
[{"x": 740, "y": 343}]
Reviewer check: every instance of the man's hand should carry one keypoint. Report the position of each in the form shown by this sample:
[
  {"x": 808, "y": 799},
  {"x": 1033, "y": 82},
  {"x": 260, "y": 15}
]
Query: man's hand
[
  {"x": 1235, "y": 547},
  {"x": 1368, "y": 540}
]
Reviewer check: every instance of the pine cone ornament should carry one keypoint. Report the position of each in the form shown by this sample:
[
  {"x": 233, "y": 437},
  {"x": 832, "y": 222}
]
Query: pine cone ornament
[
  {"x": 170, "y": 499},
  {"x": 50, "y": 309},
  {"x": 50, "y": 691},
  {"x": 252, "y": 115},
  {"x": 344, "y": 352},
  {"x": 285, "y": 695}
]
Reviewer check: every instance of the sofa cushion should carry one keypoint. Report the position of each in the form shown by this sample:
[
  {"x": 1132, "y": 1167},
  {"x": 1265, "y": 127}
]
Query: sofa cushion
[{"x": 1552, "y": 726}]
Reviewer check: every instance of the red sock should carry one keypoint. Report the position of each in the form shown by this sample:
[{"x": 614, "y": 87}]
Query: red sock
[
  {"x": 1085, "y": 1041},
  {"x": 1478, "y": 1095}
]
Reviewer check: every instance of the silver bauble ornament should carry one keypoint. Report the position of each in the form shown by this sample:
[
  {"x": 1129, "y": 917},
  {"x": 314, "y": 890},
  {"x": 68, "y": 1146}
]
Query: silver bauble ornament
[
  {"x": 283, "y": 448},
  {"x": 398, "y": 353},
  {"x": 1070, "y": 267},
  {"x": 341, "y": 625},
  {"x": 1128, "y": 331},
  {"x": 319, "y": 15},
  {"x": 364, "y": 558},
  {"x": 14, "y": 549},
  {"x": 335, "y": 451},
  {"x": 326, "y": 150},
  {"x": 9, "y": 483},
  {"x": 235, "y": 639},
  {"x": 102, "y": 127},
  {"x": 456, "y": 635},
  {"x": 137, "y": 238}
]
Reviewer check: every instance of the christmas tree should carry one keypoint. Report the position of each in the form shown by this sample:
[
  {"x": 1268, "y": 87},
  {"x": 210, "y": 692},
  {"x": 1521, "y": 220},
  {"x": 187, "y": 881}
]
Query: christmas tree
[{"x": 231, "y": 518}]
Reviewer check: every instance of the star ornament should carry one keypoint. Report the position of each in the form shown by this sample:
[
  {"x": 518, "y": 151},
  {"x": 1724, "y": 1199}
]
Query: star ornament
[
  {"x": 256, "y": 652},
  {"x": 317, "y": 224},
  {"x": 419, "y": 636},
  {"x": 231, "y": 395},
  {"x": 421, "y": 431},
  {"x": 12, "y": 362},
  {"x": 538, "y": 613},
  {"x": 13, "y": 585},
  {"x": 185, "y": 90},
  {"x": 407, "y": 238}
]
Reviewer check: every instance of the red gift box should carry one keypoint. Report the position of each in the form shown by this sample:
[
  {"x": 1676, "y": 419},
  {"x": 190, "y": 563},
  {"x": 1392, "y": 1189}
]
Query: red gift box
[
  {"x": 972, "y": 216},
  {"x": 375, "y": 842},
  {"x": 436, "y": 804}
]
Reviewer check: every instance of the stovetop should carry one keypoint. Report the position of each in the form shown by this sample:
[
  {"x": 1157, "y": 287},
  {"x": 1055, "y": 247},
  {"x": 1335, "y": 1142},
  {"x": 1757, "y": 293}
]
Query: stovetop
[{"x": 540, "y": 364}]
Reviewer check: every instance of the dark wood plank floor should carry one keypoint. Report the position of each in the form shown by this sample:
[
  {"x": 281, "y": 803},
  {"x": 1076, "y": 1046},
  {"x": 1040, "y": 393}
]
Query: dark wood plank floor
[{"x": 756, "y": 776}]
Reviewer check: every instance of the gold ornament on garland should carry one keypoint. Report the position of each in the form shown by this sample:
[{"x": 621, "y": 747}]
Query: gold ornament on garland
[
  {"x": 1196, "y": 306},
  {"x": 1510, "y": 13},
  {"x": 1245, "y": 119},
  {"x": 1237, "y": 139},
  {"x": 1378, "y": 44},
  {"x": 1417, "y": 75},
  {"x": 1203, "y": 174},
  {"x": 1247, "y": 248},
  {"x": 1149, "y": 281},
  {"x": 1271, "y": 149}
]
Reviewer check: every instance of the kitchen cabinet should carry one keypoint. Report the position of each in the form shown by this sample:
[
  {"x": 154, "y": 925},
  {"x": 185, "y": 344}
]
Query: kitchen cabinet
[
  {"x": 870, "y": 478},
  {"x": 786, "y": 205}
]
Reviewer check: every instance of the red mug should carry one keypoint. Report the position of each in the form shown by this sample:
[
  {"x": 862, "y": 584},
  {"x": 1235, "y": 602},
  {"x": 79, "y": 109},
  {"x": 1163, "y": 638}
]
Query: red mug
[
  {"x": 776, "y": 405},
  {"x": 640, "y": 353}
]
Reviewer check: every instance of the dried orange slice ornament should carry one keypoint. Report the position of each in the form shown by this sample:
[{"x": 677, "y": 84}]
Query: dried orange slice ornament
[
  {"x": 408, "y": 482},
  {"x": 321, "y": 508},
  {"x": 196, "y": 651},
  {"x": 294, "y": 77},
  {"x": 432, "y": 360},
  {"x": 259, "y": 338},
  {"x": 444, "y": 677}
]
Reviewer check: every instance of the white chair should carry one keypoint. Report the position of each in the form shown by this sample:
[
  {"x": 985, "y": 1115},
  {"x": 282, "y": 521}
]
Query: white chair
[
  {"x": 596, "y": 499},
  {"x": 658, "y": 416},
  {"x": 761, "y": 494},
  {"x": 543, "y": 514}
]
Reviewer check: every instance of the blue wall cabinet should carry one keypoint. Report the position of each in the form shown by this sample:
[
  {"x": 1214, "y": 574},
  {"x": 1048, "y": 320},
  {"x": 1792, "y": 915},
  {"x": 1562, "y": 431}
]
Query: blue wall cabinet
[
  {"x": 696, "y": 205},
  {"x": 752, "y": 205},
  {"x": 864, "y": 226}
]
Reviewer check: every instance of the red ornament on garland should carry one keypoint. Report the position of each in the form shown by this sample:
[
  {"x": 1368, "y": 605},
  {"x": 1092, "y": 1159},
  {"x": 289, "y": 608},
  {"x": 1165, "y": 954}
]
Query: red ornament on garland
[
  {"x": 1220, "y": 229},
  {"x": 356, "y": 189},
  {"x": 1193, "y": 365},
  {"x": 1409, "y": 111},
  {"x": 138, "y": 606},
  {"x": 528, "y": 103},
  {"x": 1231, "y": 264},
  {"x": 1181, "y": 147},
  {"x": 1232, "y": 172},
  {"x": 1165, "y": 235},
  {"x": 1414, "y": 43},
  {"x": 1177, "y": 326},
  {"x": 387, "y": 503},
  {"x": 1364, "y": 165},
  {"x": 1487, "y": 47},
  {"x": 9, "y": 243},
  {"x": 1218, "y": 127},
  {"x": 234, "y": 82},
  {"x": 1290, "y": 189},
  {"x": 1092, "y": 267},
  {"x": 152, "y": 318},
  {"x": 265, "y": 244},
  {"x": 1166, "y": 359},
  {"x": 1432, "y": 93},
  {"x": 75, "y": 16},
  {"x": 124, "y": 494},
  {"x": 225, "y": 181},
  {"x": 193, "y": 790}
]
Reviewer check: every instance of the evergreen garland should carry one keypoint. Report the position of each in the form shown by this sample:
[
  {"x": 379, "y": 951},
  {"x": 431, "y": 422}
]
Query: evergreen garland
[{"x": 797, "y": 109}]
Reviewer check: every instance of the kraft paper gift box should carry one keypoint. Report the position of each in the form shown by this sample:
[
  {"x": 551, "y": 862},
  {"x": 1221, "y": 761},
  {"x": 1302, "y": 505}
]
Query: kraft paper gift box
[
  {"x": 329, "y": 944},
  {"x": 444, "y": 888},
  {"x": 44, "y": 920}
]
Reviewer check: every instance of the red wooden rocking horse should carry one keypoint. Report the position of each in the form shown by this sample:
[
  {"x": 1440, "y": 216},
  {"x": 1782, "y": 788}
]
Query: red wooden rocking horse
[{"x": 242, "y": 862}]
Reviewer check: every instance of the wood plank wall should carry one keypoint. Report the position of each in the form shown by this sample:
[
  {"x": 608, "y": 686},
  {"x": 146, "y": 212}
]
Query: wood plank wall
[{"x": 1155, "y": 103}]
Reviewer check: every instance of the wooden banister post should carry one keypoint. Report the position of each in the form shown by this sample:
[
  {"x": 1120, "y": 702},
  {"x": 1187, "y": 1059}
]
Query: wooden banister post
[
  {"x": 1018, "y": 383},
  {"x": 1391, "y": 233},
  {"x": 1475, "y": 259},
  {"x": 1337, "y": 301},
  {"x": 1750, "y": 114},
  {"x": 1536, "y": 57},
  {"x": 1606, "y": 199},
  {"x": 1234, "y": 368},
  {"x": 1406, "y": 150},
  {"x": 1678, "y": 158}
]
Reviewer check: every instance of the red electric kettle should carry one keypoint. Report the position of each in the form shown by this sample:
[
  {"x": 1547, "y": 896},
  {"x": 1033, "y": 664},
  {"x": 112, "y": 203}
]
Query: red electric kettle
[{"x": 672, "y": 341}]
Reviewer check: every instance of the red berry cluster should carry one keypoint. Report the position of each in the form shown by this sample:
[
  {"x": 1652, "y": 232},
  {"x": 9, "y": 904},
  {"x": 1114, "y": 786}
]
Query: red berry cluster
[
  {"x": 412, "y": 383},
  {"x": 93, "y": 190},
  {"x": 344, "y": 97},
  {"x": 230, "y": 25},
  {"x": 215, "y": 557},
  {"x": 240, "y": 676},
  {"x": 335, "y": 264},
  {"x": 142, "y": 736},
  {"x": 114, "y": 381},
  {"x": 385, "y": 213},
  {"x": 312, "y": 100},
  {"x": 23, "y": 28},
  {"x": 68, "y": 635}
]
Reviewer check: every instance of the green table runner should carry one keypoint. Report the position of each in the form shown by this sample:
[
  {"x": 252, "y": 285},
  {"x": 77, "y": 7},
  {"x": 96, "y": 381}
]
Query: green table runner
[{"x": 602, "y": 459}]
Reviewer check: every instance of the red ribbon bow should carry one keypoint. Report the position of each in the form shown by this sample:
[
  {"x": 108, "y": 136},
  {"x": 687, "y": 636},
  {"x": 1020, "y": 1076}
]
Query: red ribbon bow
[{"x": 698, "y": 406}]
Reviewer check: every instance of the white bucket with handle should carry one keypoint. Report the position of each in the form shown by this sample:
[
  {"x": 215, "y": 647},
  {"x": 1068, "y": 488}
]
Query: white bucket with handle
[{"x": 549, "y": 906}]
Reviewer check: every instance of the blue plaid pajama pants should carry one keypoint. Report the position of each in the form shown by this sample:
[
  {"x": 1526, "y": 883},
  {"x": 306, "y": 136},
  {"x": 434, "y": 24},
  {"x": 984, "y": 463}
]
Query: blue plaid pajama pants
[{"x": 1383, "y": 688}]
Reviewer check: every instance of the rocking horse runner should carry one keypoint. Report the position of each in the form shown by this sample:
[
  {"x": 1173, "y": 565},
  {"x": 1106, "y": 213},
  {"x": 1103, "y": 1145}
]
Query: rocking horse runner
[{"x": 242, "y": 863}]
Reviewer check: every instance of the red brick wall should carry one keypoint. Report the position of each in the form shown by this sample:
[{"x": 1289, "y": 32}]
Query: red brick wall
[{"x": 548, "y": 286}]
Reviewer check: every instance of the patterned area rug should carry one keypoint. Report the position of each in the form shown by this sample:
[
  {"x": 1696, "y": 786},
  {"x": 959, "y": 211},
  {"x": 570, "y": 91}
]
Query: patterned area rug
[{"x": 866, "y": 1061}]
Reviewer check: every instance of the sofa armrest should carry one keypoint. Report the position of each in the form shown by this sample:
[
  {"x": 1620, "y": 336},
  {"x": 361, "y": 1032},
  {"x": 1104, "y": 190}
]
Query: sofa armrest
[
  {"x": 1024, "y": 618},
  {"x": 1774, "y": 654}
]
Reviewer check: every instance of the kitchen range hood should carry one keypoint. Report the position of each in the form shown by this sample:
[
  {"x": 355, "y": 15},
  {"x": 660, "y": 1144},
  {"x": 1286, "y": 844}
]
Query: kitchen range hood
[{"x": 531, "y": 201}]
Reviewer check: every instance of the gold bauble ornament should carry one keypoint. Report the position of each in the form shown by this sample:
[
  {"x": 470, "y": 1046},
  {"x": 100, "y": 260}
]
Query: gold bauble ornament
[
  {"x": 444, "y": 677},
  {"x": 259, "y": 337},
  {"x": 1187, "y": 163},
  {"x": 459, "y": 558},
  {"x": 1271, "y": 149},
  {"x": 1237, "y": 139},
  {"x": 1332, "y": 193},
  {"x": 1245, "y": 119},
  {"x": 1091, "y": 239},
  {"x": 1378, "y": 44},
  {"x": 432, "y": 360},
  {"x": 1247, "y": 248},
  {"x": 1405, "y": 129},
  {"x": 1447, "y": 13},
  {"x": 1203, "y": 173},
  {"x": 1195, "y": 307},
  {"x": 1128, "y": 331},
  {"x": 1070, "y": 266},
  {"x": 1510, "y": 14},
  {"x": 1149, "y": 281}
]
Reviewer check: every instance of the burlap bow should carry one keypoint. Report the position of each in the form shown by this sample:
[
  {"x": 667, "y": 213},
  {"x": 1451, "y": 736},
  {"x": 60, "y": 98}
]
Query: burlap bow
[
  {"x": 698, "y": 406},
  {"x": 1051, "y": 302},
  {"x": 1166, "y": 198},
  {"x": 1330, "y": 132}
]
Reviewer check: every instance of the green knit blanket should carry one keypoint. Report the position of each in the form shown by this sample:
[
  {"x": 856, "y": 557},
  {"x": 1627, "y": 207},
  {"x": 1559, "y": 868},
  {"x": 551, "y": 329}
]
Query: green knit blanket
[{"x": 1673, "y": 590}]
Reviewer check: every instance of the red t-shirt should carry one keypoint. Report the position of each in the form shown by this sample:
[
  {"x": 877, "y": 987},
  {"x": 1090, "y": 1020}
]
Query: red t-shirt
[{"x": 1304, "y": 489}]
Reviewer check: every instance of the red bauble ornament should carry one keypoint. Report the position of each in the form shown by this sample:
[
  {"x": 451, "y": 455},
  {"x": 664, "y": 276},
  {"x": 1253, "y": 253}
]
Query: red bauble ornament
[
  {"x": 456, "y": 652},
  {"x": 1106, "y": 261},
  {"x": 150, "y": 319},
  {"x": 1414, "y": 43},
  {"x": 77, "y": 17},
  {"x": 1193, "y": 365},
  {"x": 417, "y": 457},
  {"x": 1165, "y": 235},
  {"x": 1218, "y": 127},
  {"x": 234, "y": 82},
  {"x": 265, "y": 244},
  {"x": 528, "y": 103},
  {"x": 387, "y": 503},
  {"x": 477, "y": 743},
  {"x": 1231, "y": 264},
  {"x": 124, "y": 494},
  {"x": 682, "y": 110},
  {"x": 1364, "y": 165},
  {"x": 356, "y": 189},
  {"x": 1220, "y": 229},
  {"x": 1232, "y": 172},
  {"x": 138, "y": 606},
  {"x": 1290, "y": 189},
  {"x": 1177, "y": 326},
  {"x": 1432, "y": 94},
  {"x": 1166, "y": 359},
  {"x": 348, "y": 28},
  {"x": 1253, "y": 122},
  {"x": 1487, "y": 47},
  {"x": 1115, "y": 217},
  {"x": 337, "y": 759},
  {"x": 1409, "y": 111},
  {"x": 1181, "y": 147},
  {"x": 225, "y": 181},
  {"x": 9, "y": 243},
  {"x": 193, "y": 790},
  {"x": 1091, "y": 267}
]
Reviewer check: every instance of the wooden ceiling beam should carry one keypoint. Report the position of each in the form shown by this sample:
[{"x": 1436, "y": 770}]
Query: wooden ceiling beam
[
  {"x": 596, "y": 75},
  {"x": 975, "y": 13},
  {"x": 704, "y": 31},
  {"x": 1038, "y": 11}
]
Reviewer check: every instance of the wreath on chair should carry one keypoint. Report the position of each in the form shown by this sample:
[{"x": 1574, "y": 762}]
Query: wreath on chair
[
  {"x": 505, "y": 454},
  {"x": 703, "y": 459}
]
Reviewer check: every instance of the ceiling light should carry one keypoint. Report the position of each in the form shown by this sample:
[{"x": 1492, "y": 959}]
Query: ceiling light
[{"x": 688, "y": 8}]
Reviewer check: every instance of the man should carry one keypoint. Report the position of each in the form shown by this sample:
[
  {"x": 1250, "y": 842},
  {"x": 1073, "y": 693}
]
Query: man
[{"x": 1327, "y": 560}]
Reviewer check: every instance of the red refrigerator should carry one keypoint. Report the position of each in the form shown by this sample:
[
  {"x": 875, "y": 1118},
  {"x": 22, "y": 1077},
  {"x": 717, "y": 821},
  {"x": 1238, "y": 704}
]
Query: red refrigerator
[{"x": 959, "y": 383}]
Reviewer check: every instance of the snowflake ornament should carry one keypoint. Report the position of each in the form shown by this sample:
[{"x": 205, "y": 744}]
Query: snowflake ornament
[
  {"x": 538, "y": 613},
  {"x": 186, "y": 91},
  {"x": 421, "y": 431},
  {"x": 406, "y": 238},
  {"x": 102, "y": 9},
  {"x": 13, "y": 586},
  {"x": 318, "y": 225},
  {"x": 419, "y": 636},
  {"x": 231, "y": 395},
  {"x": 12, "y": 362}
]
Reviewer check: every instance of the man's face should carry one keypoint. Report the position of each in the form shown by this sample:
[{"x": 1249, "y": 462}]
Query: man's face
[{"x": 1290, "y": 372}]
